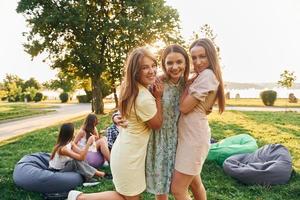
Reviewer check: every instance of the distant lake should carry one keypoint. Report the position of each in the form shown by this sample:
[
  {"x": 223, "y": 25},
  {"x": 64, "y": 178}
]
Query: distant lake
[{"x": 254, "y": 93}]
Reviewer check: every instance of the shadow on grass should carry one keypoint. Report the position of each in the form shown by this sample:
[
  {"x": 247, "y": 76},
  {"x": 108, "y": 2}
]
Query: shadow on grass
[{"x": 221, "y": 130}]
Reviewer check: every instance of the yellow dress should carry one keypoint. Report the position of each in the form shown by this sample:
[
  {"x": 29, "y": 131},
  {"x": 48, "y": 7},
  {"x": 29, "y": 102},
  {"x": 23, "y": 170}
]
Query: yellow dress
[{"x": 129, "y": 150}]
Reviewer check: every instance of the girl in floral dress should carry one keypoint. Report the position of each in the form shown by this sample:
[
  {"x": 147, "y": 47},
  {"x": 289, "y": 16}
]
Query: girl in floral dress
[{"x": 163, "y": 142}]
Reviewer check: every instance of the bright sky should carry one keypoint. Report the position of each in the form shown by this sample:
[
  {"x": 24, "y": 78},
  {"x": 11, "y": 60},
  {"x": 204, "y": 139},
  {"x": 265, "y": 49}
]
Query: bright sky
[{"x": 258, "y": 39}]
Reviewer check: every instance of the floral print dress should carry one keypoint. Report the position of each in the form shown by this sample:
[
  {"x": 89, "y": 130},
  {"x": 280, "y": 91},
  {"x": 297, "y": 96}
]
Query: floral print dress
[{"x": 162, "y": 144}]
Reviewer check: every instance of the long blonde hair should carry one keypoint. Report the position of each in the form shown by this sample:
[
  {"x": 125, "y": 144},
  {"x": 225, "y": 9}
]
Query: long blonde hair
[
  {"x": 213, "y": 60},
  {"x": 129, "y": 88}
]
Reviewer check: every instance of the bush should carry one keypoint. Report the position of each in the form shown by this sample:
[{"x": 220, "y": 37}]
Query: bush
[
  {"x": 11, "y": 99},
  {"x": 268, "y": 97},
  {"x": 4, "y": 98},
  {"x": 38, "y": 97},
  {"x": 227, "y": 95},
  {"x": 83, "y": 99},
  {"x": 64, "y": 97},
  {"x": 3, "y": 94},
  {"x": 28, "y": 97},
  {"x": 292, "y": 98},
  {"x": 89, "y": 95}
]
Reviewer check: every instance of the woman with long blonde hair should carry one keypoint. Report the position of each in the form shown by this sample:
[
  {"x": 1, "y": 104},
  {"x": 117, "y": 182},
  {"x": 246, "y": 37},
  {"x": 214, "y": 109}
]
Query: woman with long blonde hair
[{"x": 143, "y": 112}]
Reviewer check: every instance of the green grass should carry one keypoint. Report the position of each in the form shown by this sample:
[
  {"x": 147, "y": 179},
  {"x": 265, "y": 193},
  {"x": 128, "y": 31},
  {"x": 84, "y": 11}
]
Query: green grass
[
  {"x": 250, "y": 102},
  {"x": 266, "y": 127},
  {"x": 17, "y": 110}
]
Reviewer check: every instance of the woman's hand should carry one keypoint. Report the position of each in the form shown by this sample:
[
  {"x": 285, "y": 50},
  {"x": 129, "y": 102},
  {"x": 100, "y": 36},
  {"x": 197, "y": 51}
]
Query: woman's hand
[
  {"x": 157, "y": 89},
  {"x": 191, "y": 80},
  {"x": 119, "y": 121},
  {"x": 90, "y": 140}
]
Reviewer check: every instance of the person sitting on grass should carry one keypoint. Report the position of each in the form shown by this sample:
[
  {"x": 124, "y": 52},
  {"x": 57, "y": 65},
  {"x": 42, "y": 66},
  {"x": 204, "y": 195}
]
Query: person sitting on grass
[
  {"x": 99, "y": 152},
  {"x": 67, "y": 156},
  {"x": 112, "y": 131}
]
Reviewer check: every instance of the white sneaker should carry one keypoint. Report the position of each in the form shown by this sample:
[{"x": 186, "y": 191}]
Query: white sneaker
[
  {"x": 105, "y": 164},
  {"x": 73, "y": 194},
  {"x": 87, "y": 184}
]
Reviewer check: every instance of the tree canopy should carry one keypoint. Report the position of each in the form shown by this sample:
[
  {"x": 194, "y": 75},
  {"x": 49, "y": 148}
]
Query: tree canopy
[
  {"x": 89, "y": 37},
  {"x": 287, "y": 79},
  {"x": 15, "y": 89}
]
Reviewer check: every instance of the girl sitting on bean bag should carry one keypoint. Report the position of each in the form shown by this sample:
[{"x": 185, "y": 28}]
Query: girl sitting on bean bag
[
  {"x": 67, "y": 156},
  {"x": 98, "y": 152}
]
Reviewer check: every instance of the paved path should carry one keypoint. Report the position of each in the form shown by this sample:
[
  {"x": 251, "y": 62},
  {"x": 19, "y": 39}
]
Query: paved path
[
  {"x": 63, "y": 113},
  {"x": 270, "y": 109}
]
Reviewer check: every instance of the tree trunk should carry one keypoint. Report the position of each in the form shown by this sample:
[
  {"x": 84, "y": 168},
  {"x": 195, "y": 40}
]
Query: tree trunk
[
  {"x": 97, "y": 100},
  {"x": 116, "y": 96}
]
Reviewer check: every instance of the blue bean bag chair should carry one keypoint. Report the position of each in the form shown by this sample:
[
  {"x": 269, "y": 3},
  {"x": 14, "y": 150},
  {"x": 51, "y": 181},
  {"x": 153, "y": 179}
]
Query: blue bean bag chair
[
  {"x": 32, "y": 173},
  {"x": 242, "y": 143},
  {"x": 269, "y": 165}
]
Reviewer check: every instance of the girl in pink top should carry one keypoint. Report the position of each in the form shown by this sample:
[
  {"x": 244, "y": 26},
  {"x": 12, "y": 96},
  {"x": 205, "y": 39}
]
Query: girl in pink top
[{"x": 204, "y": 89}]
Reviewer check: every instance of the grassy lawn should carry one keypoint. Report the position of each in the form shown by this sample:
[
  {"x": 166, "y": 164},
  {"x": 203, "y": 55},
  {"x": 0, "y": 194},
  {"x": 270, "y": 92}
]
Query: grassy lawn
[
  {"x": 17, "y": 110},
  {"x": 258, "y": 102},
  {"x": 266, "y": 127}
]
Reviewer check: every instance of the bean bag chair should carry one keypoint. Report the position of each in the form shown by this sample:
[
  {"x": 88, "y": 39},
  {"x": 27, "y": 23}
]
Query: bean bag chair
[
  {"x": 269, "y": 165},
  {"x": 95, "y": 159},
  {"x": 32, "y": 173},
  {"x": 237, "y": 144}
]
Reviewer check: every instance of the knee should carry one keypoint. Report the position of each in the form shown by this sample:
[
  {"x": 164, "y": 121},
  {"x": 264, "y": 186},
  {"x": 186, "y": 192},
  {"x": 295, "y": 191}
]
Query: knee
[
  {"x": 102, "y": 141},
  {"x": 81, "y": 197},
  {"x": 176, "y": 191}
]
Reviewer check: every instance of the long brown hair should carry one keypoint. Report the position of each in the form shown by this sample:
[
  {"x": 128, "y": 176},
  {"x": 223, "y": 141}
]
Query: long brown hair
[
  {"x": 213, "y": 60},
  {"x": 65, "y": 136},
  {"x": 129, "y": 88},
  {"x": 175, "y": 48},
  {"x": 89, "y": 125}
]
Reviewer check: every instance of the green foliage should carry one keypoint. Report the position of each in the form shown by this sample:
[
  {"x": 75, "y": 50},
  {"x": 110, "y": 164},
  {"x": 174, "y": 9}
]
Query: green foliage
[
  {"x": 14, "y": 92},
  {"x": 30, "y": 93},
  {"x": 87, "y": 38},
  {"x": 33, "y": 83},
  {"x": 66, "y": 82},
  {"x": 64, "y": 97},
  {"x": 38, "y": 97},
  {"x": 17, "y": 90},
  {"x": 3, "y": 94},
  {"x": 13, "y": 85},
  {"x": 105, "y": 88},
  {"x": 83, "y": 99},
  {"x": 287, "y": 79},
  {"x": 268, "y": 97},
  {"x": 206, "y": 31},
  {"x": 11, "y": 78}
]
